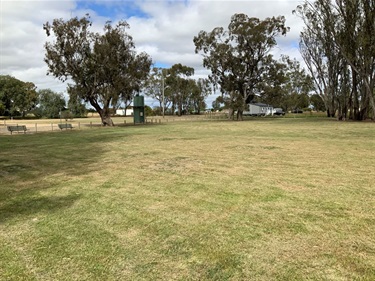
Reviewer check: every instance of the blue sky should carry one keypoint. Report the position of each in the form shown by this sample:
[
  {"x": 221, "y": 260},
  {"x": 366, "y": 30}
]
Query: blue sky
[
  {"x": 112, "y": 9},
  {"x": 163, "y": 29}
]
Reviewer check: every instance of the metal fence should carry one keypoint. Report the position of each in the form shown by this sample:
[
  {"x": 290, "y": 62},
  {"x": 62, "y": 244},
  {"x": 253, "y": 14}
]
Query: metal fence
[{"x": 34, "y": 126}]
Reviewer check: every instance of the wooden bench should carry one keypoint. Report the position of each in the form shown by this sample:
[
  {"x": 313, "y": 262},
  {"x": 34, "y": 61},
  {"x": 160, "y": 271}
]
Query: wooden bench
[
  {"x": 65, "y": 126},
  {"x": 17, "y": 128}
]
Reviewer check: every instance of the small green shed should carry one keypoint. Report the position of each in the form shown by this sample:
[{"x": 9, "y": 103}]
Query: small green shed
[{"x": 139, "y": 109}]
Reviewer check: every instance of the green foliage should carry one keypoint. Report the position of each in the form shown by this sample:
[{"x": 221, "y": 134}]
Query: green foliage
[
  {"x": 201, "y": 89},
  {"x": 2, "y": 109},
  {"x": 217, "y": 104},
  {"x": 104, "y": 67},
  {"x": 237, "y": 57},
  {"x": 338, "y": 47},
  {"x": 156, "y": 87},
  {"x": 50, "y": 104},
  {"x": 16, "y": 97},
  {"x": 76, "y": 108},
  {"x": 180, "y": 87},
  {"x": 179, "y": 91},
  {"x": 67, "y": 115},
  {"x": 317, "y": 102},
  {"x": 149, "y": 111}
]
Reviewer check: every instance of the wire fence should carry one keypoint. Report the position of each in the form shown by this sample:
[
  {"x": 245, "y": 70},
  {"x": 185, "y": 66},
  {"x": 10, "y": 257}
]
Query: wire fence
[{"x": 39, "y": 126}]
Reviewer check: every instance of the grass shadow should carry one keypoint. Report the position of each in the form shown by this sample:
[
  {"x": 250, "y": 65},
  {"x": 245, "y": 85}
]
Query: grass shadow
[
  {"x": 24, "y": 207},
  {"x": 35, "y": 162}
]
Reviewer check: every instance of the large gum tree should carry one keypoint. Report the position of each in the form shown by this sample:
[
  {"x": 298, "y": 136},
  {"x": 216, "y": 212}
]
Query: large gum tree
[
  {"x": 237, "y": 57},
  {"x": 105, "y": 68}
]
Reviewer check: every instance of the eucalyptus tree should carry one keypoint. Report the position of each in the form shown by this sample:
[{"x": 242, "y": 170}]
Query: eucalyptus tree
[
  {"x": 298, "y": 84},
  {"x": 338, "y": 45},
  {"x": 16, "y": 97},
  {"x": 355, "y": 40},
  {"x": 75, "y": 106},
  {"x": 179, "y": 86},
  {"x": 237, "y": 56},
  {"x": 321, "y": 57},
  {"x": 201, "y": 88},
  {"x": 105, "y": 68},
  {"x": 157, "y": 88},
  {"x": 50, "y": 103},
  {"x": 272, "y": 88}
]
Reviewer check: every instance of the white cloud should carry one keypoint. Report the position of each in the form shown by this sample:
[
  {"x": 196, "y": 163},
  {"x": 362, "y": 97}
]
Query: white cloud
[{"x": 165, "y": 29}]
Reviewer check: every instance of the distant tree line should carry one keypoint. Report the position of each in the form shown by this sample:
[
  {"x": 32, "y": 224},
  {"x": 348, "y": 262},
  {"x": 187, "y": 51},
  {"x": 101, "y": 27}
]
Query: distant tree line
[
  {"x": 19, "y": 99},
  {"x": 337, "y": 45},
  {"x": 176, "y": 91}
]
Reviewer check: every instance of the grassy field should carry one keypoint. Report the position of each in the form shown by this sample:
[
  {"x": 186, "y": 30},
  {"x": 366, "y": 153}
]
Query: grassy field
[{"x": 263, "y": 199}]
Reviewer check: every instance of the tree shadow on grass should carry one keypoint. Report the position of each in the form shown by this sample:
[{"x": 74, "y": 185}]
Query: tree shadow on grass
[
  {"x": 24, "y": 207},
  {"x": 32, "y": 163}
]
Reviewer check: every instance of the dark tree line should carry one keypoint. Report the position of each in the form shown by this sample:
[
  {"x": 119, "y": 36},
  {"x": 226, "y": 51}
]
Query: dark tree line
[{"x": 18, "y": 98}]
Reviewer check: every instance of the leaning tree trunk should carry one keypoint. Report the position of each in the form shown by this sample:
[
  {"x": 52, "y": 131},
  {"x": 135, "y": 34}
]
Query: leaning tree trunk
[
  {"x": 106, "y": 118},
  {"x": 107, "y": 121},
  {"x": 104, "y": 114}
]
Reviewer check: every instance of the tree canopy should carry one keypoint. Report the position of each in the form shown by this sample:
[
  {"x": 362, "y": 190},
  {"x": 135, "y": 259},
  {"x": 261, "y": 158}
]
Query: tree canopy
[
  {"x": 338, "y": 46},
  {"x": 237, "y": 57},
  {"x": 105, "y": 68},
  {"x": 16, "y": 97},
  {"x": 181, "y": 93},
  {"x": 50, "y": 104}
]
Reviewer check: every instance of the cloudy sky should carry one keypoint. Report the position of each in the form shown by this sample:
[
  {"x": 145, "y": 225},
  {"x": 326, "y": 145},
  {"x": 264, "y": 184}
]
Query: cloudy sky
[{"x": 162, "y": 28}]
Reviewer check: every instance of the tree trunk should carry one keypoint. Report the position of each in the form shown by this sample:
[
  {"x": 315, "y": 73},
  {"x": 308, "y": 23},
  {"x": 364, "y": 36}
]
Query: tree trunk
[
  {"x": 106, "y": 118},
  {"x": 173, "y": 108},
  {"x": 239, "y": 115},
  {"x": 230, "y": 114},
  {"x": 104, "y": 114},
  {"x": 179, "y": 108}
]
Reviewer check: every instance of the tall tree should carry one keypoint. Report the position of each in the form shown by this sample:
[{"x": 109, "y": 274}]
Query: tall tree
[
  {"x": 200, "y": 89},
  {"x": 338, "y": 39},
  {"x": 105, "y": 68},
  {"x": 179, "y": 85},
  {"x": 317, "y": 102},
  {"x": 16, "y": 97},
  {"x": 237, "y": 56},
  {"x": 320, "y": 55},
  {"x": 75, "y": 106},
  {"x": 50, "y": 103},
  {"x": 154, "y": 87}
]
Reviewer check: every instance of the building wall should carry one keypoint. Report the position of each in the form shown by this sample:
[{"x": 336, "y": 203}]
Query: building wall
[{"x": 129, "y": 112}]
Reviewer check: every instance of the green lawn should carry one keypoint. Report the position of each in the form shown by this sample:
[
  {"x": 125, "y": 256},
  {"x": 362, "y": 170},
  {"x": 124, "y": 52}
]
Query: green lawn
[{"x": 263, "y": 199}]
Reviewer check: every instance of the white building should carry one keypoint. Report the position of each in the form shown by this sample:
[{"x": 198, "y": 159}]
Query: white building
[
  {"x": 259, "y": 109},
  {"x": 125, "y": 112}
]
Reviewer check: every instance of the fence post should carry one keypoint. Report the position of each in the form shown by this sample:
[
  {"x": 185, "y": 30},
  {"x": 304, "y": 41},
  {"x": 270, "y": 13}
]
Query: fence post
[
  {"x": 90, "y": 124},
  {"x": 36, "y": 127}
]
